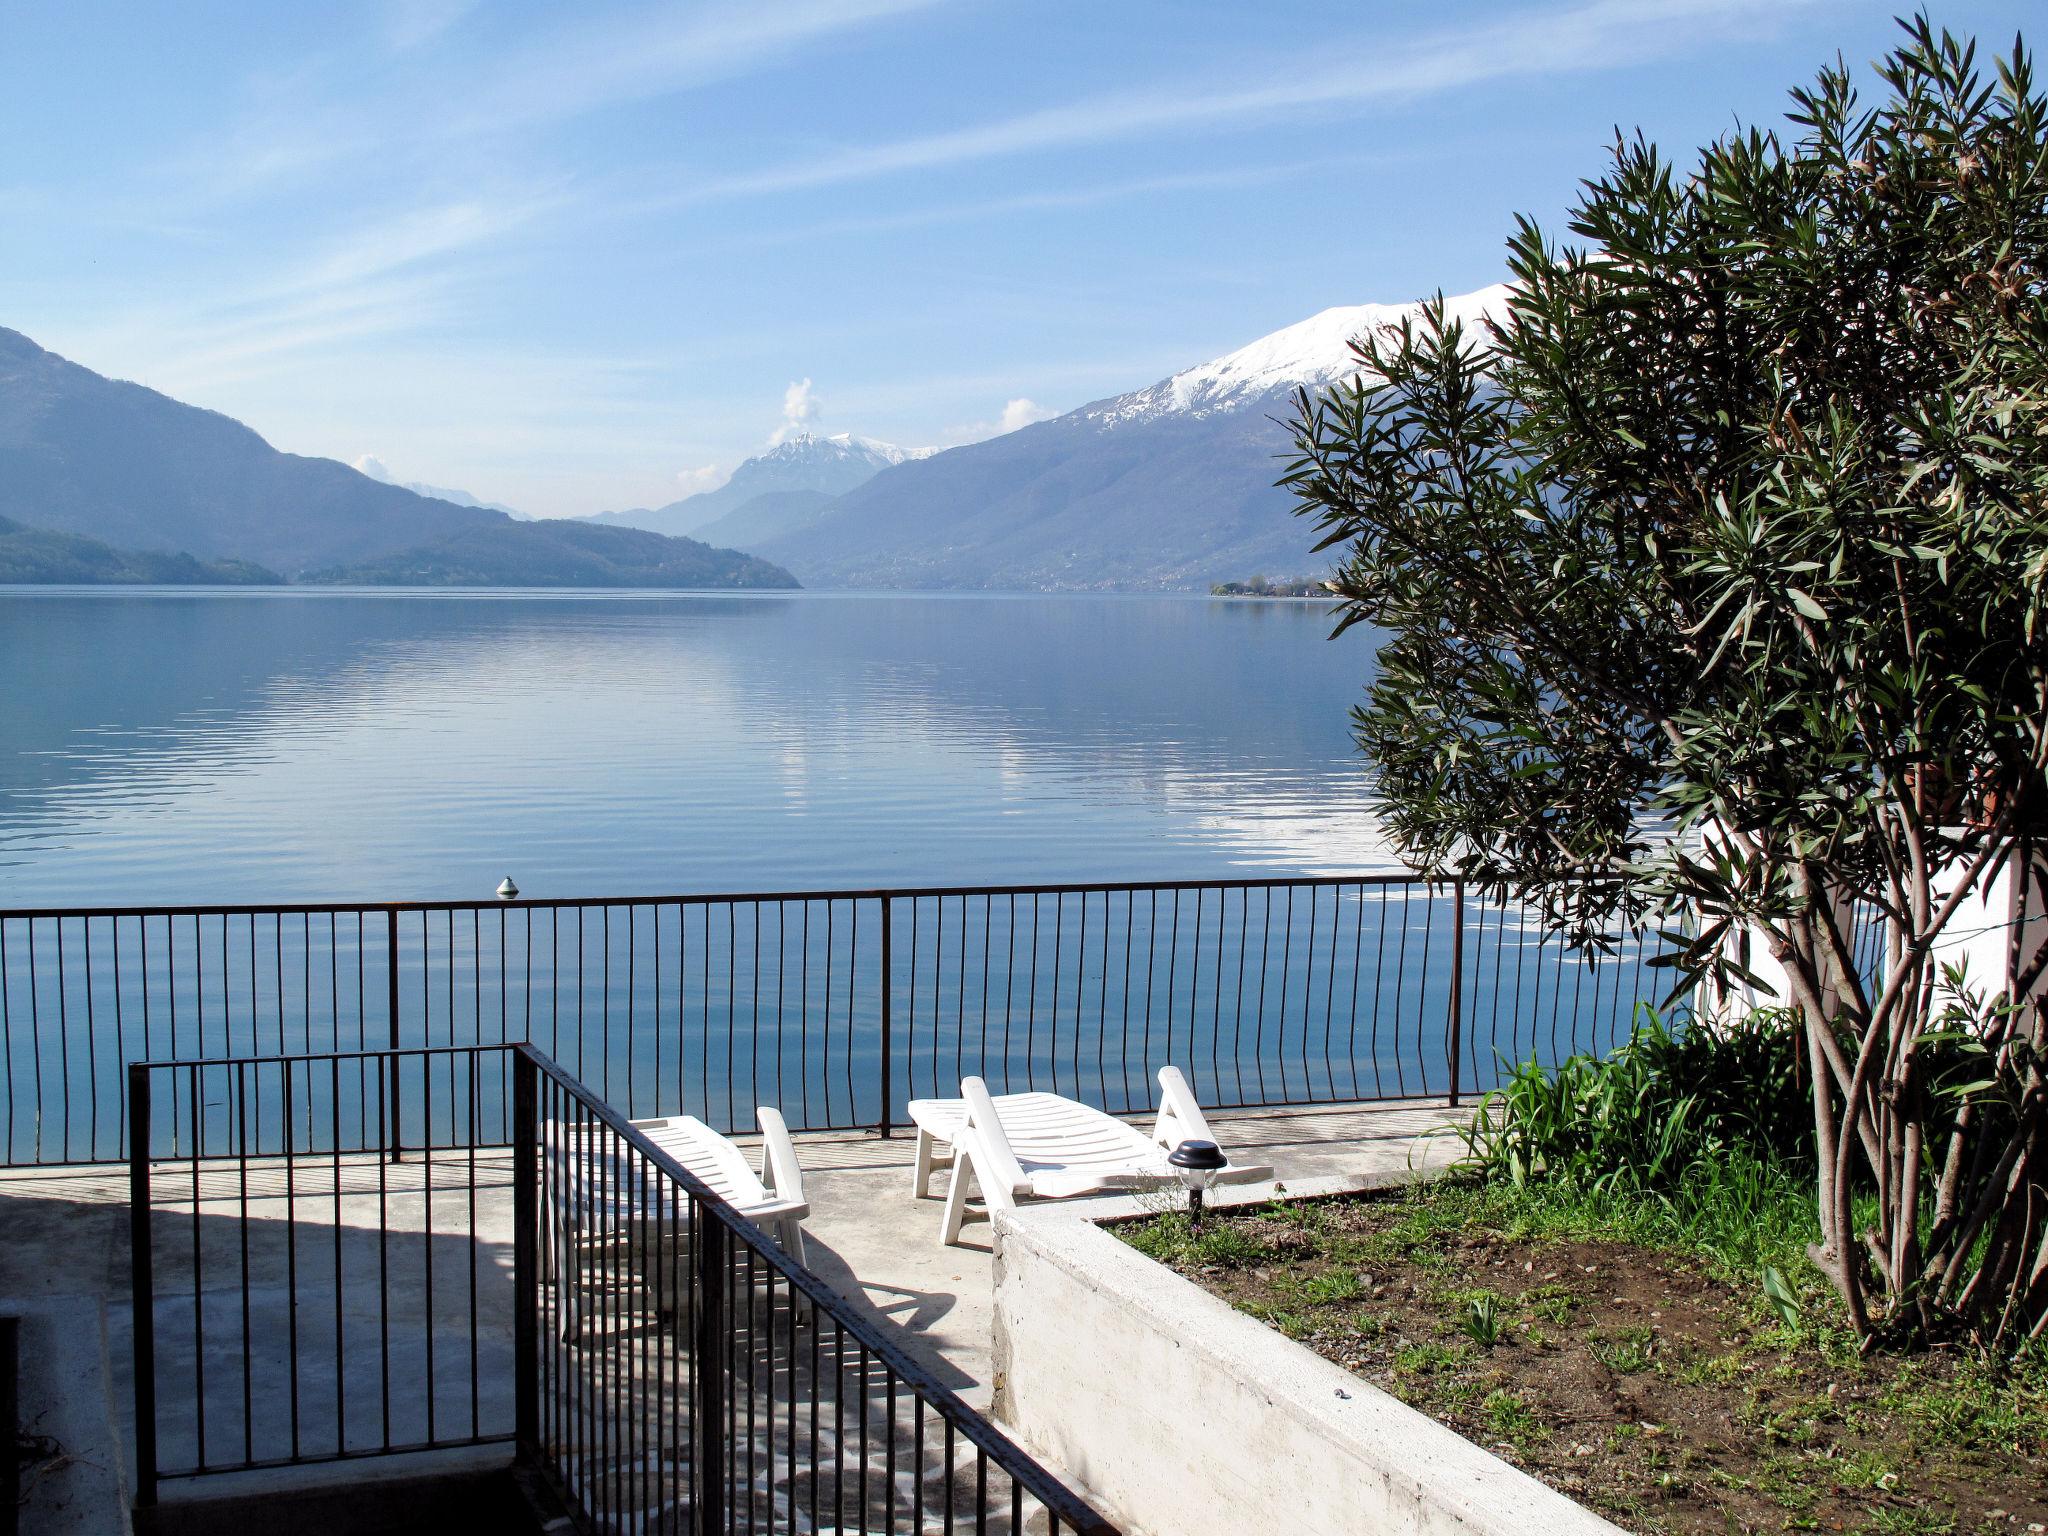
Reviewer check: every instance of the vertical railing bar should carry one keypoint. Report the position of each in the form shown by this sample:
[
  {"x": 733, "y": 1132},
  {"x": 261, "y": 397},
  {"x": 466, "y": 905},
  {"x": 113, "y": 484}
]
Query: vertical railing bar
[
  {"x": 427, "y": 1216},
  {"x": 1422, "y": 988},
  {"x": 35, "y": 1037},
  {"x": 7, "y": 1026},
  {"x": 242, "y": 1182},
  {"x": 1172, "y": 975},
  {"x": 340, "y": 1304},
  {"x": 1259, "y": 1023},
  {"x": 1286, "y": 964},
  {"x": 198, "y": 1268},
  {"x": 852, "y": 988},
  {"x": 732, "y": 988},
  {"x": 475, "y": 1092},
  {"x": 387, "y": 1086},
  {"x": 1052, "y": 1029},
  {"x": 959, "y": 1006},
  {"x": 1455, "y": 1021},
  {"x": 709, "y": 1400},
  {"x": 1330, "y": 991},
  {"x": 291, "y": 1251},
  {"x": 1031, "y": 999},
  {"x": 142, "y": 1283},
  {"x": 92, "y": 1048},
  {"x": 888, "y": 987},
  {"x": 391, "y": 1032},
  {"x": 803, "y": 1008}
]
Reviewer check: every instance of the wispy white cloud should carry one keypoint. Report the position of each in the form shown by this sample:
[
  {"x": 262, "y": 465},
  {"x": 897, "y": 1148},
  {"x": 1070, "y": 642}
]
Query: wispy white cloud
[
  {"x": 370, "y": 279},
  {"x": 318, "y": 113},
  {"x": 410, "y": 24},
  {"x": 703, "y": 477},
  {"x": 410, "y": 238},
  {"x": 800, "y": 407},
  {"x": 1046, "y": 200},
  {"x": 1602, "y": 34},
  {"x": 1021, "y": 412},
  {"x": 653, "y": 51}
]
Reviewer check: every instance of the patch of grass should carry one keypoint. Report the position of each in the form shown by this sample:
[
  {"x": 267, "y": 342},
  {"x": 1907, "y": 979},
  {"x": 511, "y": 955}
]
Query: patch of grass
[
  {"x": 1788, "y": 1482},
  {"x": 1868, "y": 1469},
  {"x": 1551, "y": 1304},
  {"x": 1709, "y": 1370},
  {"x": 1171, "y": 1239},
  {"x": 1628, "y": 1352},
  {"x": 1888, "y": 1521},
  {"x": 1331, "y": 1288},
  {"x": 1736, "y": 1216},
  {"x": 1508, "y": 1415},
  {"x": 1996, "y": 1410},
  {"x": 1794, "y": 1423},
  {"x": 1426, "y": 1359},
  {"x": 1286, "y": 1319}
]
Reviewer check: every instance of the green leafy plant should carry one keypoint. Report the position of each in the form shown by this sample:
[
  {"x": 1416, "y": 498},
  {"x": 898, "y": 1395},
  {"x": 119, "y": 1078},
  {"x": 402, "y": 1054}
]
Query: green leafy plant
[
  {"x": 1481, "y": 1322},
  {"x": 1655, "y": 1109},
  {"x": 1716, "y": 564},
  {"x": 1783, "y": 1299}
]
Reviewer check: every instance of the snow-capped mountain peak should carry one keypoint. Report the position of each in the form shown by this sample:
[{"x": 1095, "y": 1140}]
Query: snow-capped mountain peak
[
  {"x": 1314, "y": 351},
  {"x": 841, "y": 445}
]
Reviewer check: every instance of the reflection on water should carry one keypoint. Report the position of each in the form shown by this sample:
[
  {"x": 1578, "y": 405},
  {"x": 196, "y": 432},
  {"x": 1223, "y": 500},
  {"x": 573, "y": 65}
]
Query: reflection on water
[{"x": 193, "y": 746}]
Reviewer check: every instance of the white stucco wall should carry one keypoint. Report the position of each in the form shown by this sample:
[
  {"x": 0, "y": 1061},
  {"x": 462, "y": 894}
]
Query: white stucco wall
[{"x": 1979, "y": 937}]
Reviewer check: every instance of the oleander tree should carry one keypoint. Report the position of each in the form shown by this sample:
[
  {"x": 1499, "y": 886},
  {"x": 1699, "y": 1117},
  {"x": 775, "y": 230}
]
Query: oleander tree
[{"x": 1716, "y": 563}]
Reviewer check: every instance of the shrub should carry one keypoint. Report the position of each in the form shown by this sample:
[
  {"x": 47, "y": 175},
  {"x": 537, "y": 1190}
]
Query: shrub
[{"x": 1655, "y": 1112}]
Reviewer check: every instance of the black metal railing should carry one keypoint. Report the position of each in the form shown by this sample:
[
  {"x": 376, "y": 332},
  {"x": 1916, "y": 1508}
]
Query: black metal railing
[
  {"x": 687, "y": 1374},
  {"x": 836, "y": 1006},
  {"x": 533, "y": 1270},
  {"x": 301, "y": 1294}
]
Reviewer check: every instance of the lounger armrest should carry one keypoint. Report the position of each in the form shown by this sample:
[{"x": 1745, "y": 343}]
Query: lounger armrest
[
  {"x": 781, "y": 1175},
  {"x": 1180, "y": 1117},
  {"x": 996, "y": 1163},
  {"x": 1245, "y": 1173}
]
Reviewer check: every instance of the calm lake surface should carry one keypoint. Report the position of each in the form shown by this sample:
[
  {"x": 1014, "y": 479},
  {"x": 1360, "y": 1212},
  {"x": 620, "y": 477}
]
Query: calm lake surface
[{"x": 182, "y": 746}]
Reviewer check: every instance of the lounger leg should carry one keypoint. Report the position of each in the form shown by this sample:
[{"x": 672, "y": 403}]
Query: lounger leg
[
  {"x": 921, "y": 1175},
  {"x": 956, "y": 1194},
  {"x": 568, "y": 1292},
  {"x": 789, "y": 1232}
]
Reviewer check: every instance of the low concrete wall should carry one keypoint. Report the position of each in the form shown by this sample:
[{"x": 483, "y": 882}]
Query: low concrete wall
[{"x": 1184, "y": 1417}]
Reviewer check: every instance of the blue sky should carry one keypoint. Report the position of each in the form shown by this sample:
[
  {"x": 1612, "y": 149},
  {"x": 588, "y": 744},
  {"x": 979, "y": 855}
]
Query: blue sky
[{"x": 575, "y": 257}]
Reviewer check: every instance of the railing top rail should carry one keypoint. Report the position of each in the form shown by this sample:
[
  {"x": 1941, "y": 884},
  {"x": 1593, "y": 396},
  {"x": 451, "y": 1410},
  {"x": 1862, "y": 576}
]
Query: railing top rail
[
  {"x": 719, "y": 898},
  {"x": 167, "y": 1063},
  {"x": 1039, "y": 1483}
]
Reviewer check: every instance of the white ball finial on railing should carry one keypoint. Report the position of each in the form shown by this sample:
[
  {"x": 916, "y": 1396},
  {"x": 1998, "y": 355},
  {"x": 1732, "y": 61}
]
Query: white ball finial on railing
[{"x": 506, "y": 889}]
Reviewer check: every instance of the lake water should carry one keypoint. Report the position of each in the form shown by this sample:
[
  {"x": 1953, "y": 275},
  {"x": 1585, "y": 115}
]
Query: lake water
[
  {"x": 165, "y": 746},
  {"x": 186, "y": 748}
]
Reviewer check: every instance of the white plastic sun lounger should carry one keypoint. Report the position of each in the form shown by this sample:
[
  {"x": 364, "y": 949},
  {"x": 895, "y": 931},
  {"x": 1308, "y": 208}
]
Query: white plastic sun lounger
[
  {"x": 1041, "y": 1146},
  {"x": 595, "y": 1195}
]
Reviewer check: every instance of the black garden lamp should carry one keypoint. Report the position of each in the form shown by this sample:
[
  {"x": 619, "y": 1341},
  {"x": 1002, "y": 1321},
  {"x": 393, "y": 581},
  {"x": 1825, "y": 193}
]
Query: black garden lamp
[{"x": 1198, "y": 1163}]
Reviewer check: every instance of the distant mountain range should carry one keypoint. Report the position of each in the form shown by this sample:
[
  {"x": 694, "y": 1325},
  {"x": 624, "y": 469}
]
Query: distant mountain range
[
  {"x": 377, "y": 470},
  {"x": 100, "y": 460},
  {"x": 1167, "y": 487},
  {"x": 558, "y": 552},
  {"x": 804, "y": 472}
]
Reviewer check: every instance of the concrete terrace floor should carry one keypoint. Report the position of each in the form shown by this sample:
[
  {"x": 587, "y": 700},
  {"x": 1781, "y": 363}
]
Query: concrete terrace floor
[{"x": 64, "y": 1234}]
